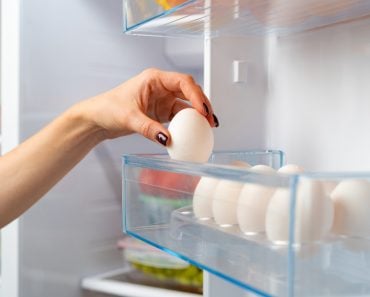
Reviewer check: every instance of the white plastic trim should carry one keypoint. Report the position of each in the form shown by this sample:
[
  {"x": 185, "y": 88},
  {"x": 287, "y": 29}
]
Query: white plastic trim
[
  {"x": 10, "y": 56},
  {"x": 10, "y": 65}
]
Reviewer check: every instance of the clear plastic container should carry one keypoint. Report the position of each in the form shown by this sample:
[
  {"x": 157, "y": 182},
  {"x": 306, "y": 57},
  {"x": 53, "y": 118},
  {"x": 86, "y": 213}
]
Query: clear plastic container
[
  {"x": 236, "y": 17},
  {"x": 138, "y": 13},
  {"x": 160, "y": 267},
  {"x": 311, "y": 245}
]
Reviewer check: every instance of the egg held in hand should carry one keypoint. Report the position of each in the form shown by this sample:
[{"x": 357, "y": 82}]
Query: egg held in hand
[
  {"x": 191, "y": 137},
  {"x": 252, "y": 203},
  {"x": 351, "y": 200}
]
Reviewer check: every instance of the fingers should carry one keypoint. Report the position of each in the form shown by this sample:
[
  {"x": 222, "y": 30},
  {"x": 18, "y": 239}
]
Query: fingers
[
  {"x": 180, "y": 105},
  {"x": 177, "y": 106},
  {"x": 150, "y": 129},
  {"x": 183, "y": 86}
]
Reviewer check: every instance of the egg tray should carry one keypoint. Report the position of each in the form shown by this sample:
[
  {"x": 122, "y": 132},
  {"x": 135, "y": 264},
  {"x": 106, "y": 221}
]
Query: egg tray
[
  {"x": 333, "y": 266},
  {"x": 184, "y": 217},
  {"x": 184, "y": 224},
  {"x": 331, "y": 259}
]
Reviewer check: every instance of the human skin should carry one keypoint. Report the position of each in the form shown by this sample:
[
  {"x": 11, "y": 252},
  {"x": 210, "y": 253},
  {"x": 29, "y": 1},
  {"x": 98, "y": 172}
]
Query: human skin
[{"x": 139, "y": 105}]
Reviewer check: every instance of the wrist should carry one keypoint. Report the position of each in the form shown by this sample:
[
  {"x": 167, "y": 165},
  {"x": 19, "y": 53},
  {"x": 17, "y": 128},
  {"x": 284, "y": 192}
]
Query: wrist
[{"x": 81, "y": 116}]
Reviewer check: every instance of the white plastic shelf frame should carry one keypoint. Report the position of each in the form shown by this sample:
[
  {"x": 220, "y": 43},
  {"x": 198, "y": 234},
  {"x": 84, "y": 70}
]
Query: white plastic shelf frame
[{"x": 237, "y": 17}]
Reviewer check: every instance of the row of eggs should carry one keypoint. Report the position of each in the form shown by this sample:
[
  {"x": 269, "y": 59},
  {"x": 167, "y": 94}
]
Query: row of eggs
[{"x": 320, "y": 206}]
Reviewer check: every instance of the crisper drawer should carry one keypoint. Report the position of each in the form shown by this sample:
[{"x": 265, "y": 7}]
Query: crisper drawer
[{"x": 275, "y": 234}]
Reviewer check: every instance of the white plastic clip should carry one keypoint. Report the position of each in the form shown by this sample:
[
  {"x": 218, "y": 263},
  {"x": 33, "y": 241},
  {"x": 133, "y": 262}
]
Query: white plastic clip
[{"x": 240, "y": 71}]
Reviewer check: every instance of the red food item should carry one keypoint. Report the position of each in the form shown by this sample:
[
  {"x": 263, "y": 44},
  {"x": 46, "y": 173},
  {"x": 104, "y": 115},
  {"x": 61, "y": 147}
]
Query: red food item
[{"x": 166, "y": 184}]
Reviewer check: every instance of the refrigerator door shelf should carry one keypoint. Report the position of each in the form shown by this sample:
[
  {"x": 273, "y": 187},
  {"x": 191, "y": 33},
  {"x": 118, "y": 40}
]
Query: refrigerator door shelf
[
  {"x": 236, "y": 17},
  {"x": 308, "y": 259}
]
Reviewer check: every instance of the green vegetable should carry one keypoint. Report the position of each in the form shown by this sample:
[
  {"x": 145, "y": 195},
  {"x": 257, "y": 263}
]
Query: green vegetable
[{"x": 189, "y": 276}]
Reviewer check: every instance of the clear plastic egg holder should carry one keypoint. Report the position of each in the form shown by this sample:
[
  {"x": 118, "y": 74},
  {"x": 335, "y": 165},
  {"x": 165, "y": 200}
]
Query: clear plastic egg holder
[{"x": 157, "y": 209}]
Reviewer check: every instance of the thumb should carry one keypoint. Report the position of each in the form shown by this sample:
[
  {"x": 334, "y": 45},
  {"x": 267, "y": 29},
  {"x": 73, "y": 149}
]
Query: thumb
[{"x": 151, "y": 129}]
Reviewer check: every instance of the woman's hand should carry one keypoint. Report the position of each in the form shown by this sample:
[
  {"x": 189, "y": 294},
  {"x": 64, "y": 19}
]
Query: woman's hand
[
  {"x": 143, "y": 102},
  {"x": 139, "y": 105}
]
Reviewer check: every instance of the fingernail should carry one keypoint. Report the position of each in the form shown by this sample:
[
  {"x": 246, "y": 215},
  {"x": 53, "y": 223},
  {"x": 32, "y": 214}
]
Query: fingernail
[
  {"x": 206, "y": 110},
  {"x": 215, "y": 119},
  {"x": 161, "y": 138}
]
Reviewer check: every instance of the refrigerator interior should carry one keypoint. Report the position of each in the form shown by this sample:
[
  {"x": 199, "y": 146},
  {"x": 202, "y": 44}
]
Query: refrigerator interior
[
  {"x": 282, "y": 75},
  {"x": 308, "y": 93},
  {"x": 302, "y": 91},
  {"x": 0, "y": 138},
  {"x": 69, "y": 51}
]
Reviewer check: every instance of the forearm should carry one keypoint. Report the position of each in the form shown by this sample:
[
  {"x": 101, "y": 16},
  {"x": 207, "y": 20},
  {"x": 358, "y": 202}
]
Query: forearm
[
  {"x": 30, "y": 170},
  {"x": 138, "y": 105}
]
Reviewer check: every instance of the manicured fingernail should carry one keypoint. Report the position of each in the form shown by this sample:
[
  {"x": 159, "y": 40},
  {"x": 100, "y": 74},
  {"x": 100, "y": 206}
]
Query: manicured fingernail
[
  {"x": 215, "y": 119},
  {"x": 206, "y": 110},
  {"x": 161, "y": 138}
]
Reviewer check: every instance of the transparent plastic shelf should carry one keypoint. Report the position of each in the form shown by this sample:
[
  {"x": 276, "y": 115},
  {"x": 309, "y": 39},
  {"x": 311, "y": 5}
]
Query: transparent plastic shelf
[
  {"x": 305, "y": 251},
  {"x": 237, "y": 17}
]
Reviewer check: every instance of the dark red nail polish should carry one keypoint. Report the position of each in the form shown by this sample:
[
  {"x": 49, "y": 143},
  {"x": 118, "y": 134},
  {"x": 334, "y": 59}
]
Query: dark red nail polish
[
  {"x": 161, "y": 138},
  {"x": 206, "y": 110},
  {"x": 216, "y": 120}
]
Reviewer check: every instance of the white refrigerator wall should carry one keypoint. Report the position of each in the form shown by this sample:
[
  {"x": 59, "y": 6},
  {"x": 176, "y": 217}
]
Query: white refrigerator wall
[
  {"x": 319, "y": 97},
  {"x": 240, "y": 106},
  {"x": 307, "y": 94},
  {"x": 71, "y": 50}
]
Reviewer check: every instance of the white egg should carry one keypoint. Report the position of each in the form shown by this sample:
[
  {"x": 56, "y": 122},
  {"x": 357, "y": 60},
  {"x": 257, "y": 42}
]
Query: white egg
[
  {"x": 290, "y": 169},
  {"x": 352, "y": 208},
  {"x": 252, "y": 203},
  {"x": 203, "y": 195},
  {"x": 277, "y": 216},
  {"x": 264, "y": 169},
  {"x": 225, "y": 199},
  {"x": 241, "y": 164},
  {"x": 191, "y": 137},
  {"x": 313, "y": 213},
  {"x": 278, "y": 208},
  {"x": 329, "y": 186}
]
